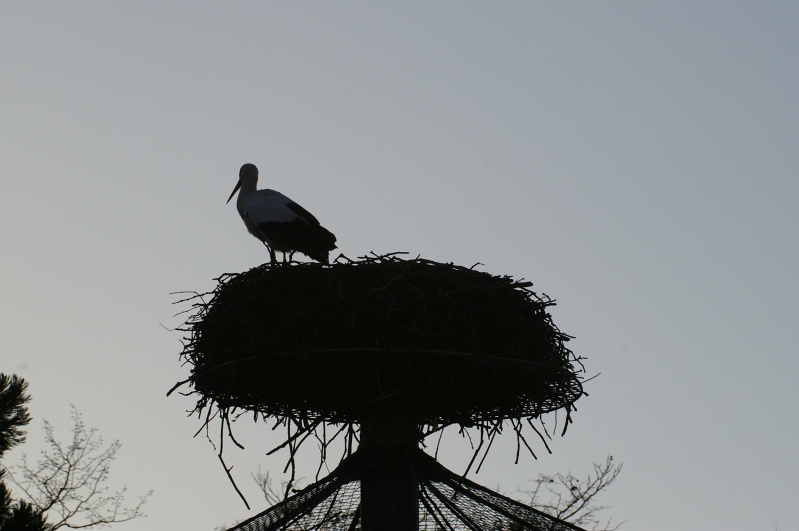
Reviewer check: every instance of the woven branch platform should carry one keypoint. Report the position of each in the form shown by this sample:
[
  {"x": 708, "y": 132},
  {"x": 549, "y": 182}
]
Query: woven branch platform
[{"x": 440, "y": 343}]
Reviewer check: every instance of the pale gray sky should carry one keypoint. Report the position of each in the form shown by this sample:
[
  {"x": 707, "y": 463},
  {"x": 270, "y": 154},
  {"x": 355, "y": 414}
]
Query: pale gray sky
[{"x": 636, "y": 160}]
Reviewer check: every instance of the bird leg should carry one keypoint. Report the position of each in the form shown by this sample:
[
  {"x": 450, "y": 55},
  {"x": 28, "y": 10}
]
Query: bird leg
[
  {"x": 288, "y": 256},
  {"x": 272, "y": 257}
]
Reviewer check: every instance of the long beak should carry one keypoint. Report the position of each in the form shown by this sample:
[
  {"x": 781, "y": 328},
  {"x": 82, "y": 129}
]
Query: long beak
[{"x": 236, "y": 189}]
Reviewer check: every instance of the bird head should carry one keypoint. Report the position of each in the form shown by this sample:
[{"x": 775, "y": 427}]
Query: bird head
[{"x": 246, "y": 173}]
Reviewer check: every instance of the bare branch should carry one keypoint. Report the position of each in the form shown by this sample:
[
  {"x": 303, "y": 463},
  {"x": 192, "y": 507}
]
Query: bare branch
[
  {"x": 573, "y": 500},
  {"x": 68, "y": 482}
]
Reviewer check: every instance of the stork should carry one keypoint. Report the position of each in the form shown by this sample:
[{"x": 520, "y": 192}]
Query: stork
[{"x": 280, "y": 223}]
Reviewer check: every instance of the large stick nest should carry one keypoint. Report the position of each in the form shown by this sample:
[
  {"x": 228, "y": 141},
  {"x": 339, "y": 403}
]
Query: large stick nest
[{"x": 439, "y": 343}]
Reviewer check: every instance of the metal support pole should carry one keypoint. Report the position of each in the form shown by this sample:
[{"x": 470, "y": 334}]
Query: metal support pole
[{"x": 389, "y": 486}]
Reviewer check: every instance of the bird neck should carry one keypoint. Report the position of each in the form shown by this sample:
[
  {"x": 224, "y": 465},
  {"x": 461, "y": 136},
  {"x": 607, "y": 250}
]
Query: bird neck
[{"x": 247, "y": 187}]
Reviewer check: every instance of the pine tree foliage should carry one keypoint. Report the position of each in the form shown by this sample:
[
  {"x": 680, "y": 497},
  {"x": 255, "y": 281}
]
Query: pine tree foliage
[
  {"x": 15, "y": 515},
  {"x": 13, "y": 413}
]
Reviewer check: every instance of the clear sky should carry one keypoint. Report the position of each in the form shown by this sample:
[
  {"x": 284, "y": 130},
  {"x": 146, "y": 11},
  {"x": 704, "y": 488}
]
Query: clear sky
[{"x": 637, "y": 160}]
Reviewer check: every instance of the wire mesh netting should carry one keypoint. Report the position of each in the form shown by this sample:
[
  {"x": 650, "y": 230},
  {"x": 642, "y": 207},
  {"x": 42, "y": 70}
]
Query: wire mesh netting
[{"x": 446, "y": 502}]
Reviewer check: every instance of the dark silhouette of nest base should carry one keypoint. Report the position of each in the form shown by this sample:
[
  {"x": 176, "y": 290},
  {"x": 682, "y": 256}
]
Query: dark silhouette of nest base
[{"x": 435, "y": 342}]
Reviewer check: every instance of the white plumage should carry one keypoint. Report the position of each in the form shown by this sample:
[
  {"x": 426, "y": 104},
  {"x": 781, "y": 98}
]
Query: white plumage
[{"x": 280, "y": 223}]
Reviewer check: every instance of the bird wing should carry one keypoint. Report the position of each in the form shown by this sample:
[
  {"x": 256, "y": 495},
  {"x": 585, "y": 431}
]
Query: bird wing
[
  {"x": 301, "y": 212},
  {"x": 268, "y": 206}
]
